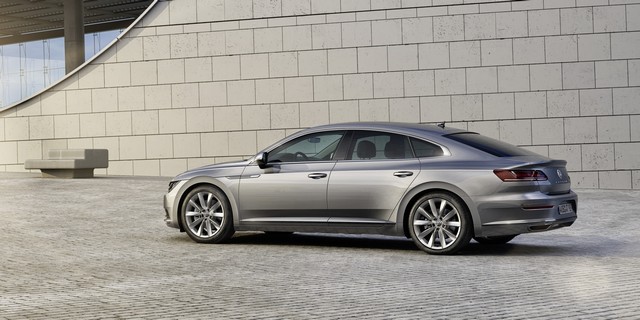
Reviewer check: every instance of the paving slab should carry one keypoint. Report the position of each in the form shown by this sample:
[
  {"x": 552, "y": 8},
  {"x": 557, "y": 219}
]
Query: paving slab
[{"x": 98, "y": 248}]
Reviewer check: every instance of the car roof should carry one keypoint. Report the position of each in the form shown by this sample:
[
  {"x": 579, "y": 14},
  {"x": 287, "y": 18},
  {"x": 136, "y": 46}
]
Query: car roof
[{"x": 398, "y": 127}]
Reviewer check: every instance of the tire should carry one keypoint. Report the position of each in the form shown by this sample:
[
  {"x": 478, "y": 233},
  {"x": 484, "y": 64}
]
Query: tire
[
  {"x": 439, "y": 223},
  {"x": 494, "y": 239},
  {"x": 206, "y": 215}
]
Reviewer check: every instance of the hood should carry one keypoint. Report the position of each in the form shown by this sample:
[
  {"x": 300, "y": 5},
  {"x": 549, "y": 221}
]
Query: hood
[{"x": 214, "y": 170}]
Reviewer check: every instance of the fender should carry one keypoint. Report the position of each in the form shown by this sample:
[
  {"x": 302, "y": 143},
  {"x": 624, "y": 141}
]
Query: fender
[
  {"x": 403, "y": 206},
  {"x": 228, "y": 185}
]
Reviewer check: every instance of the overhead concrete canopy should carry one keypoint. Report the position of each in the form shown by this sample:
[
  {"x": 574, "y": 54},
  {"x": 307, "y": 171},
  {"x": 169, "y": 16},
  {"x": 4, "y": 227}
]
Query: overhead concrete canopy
[{"x": 28, "y": 20}]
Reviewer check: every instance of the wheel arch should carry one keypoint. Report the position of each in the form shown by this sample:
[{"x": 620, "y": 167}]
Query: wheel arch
[
  {"x": 404, "y": 209},
  {"x": 204, "y": 181}
]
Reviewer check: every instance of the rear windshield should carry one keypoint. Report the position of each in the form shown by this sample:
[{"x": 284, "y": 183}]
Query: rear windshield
[{"x": 489, "y": 145}]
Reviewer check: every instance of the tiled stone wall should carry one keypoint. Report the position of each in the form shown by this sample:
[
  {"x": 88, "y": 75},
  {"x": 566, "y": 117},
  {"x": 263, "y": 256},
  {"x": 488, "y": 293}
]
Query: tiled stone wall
[{"x": 203, "y": 81}]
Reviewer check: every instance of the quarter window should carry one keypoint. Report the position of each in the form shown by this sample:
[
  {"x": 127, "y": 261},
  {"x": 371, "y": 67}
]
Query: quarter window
[
  {"x": 425, "y": 149},
  {"x": 369, "y": 145}
]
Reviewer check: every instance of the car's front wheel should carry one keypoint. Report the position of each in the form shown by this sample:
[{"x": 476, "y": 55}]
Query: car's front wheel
[
  {"x": 206, "y": 215},
  {"x": 440, "y": 224}
]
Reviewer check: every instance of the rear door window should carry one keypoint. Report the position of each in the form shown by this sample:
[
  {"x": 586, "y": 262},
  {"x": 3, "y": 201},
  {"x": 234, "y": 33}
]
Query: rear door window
[{"x": 368, "y": 145}]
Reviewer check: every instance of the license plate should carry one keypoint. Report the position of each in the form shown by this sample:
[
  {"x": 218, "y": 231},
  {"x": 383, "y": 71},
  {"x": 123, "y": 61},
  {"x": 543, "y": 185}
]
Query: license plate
[{"x": 565, "y": 208}]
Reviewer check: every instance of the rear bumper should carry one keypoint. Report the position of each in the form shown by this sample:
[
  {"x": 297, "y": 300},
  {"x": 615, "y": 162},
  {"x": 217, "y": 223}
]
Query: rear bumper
[{"x": 525, "y": 213}]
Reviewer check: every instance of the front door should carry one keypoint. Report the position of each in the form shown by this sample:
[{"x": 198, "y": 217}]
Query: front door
[{"x": 293, "y": 188}]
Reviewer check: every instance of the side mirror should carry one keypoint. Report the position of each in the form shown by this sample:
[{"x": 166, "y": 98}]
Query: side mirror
[{"x": 261, "y": 160}]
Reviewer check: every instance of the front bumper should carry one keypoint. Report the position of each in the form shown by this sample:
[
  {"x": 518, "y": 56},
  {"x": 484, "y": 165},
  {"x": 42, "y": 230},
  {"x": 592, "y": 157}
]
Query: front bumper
[
  {"x": 171, "y": 205},
  {"x": 524, "y": 213}
]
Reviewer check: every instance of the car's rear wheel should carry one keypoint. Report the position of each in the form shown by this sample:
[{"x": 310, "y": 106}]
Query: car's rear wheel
[
  {"x": 206, "y": 215},
  {"x": 495, "y": 239},
  {"x": 440, "y": 224}
]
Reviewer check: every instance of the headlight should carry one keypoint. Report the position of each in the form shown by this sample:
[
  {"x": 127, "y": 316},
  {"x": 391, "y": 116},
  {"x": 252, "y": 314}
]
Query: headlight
[{"x": 172, "y": 184}]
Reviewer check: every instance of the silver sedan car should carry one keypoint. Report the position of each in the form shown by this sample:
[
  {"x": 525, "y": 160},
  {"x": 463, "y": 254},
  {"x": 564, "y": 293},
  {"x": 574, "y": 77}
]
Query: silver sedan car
[{"x": 437, "y": 185}]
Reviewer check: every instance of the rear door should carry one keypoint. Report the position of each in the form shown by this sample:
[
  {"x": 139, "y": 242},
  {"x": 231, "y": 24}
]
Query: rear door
[{"x": 367, "y": 185}]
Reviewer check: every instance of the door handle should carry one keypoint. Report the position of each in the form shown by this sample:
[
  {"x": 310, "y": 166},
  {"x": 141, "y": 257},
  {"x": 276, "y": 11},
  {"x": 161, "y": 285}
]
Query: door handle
[
  {"x": 317, "y": 175},
  {"x": 403, "y": 174}
]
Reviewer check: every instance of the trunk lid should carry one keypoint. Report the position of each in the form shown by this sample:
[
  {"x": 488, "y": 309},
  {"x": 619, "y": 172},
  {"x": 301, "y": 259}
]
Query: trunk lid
[{"x": 558, "y": 180}]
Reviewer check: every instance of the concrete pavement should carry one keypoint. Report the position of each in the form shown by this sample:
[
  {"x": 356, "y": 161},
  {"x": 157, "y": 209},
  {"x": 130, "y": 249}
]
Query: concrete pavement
[{"x": 98, "y": 248}]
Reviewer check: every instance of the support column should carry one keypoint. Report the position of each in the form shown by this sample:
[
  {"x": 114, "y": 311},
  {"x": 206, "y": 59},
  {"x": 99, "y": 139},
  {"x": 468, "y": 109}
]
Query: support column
[{"x": 73, "y": 34}]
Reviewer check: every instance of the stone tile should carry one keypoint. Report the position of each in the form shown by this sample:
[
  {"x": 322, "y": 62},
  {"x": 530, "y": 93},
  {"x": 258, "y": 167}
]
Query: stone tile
[
  {"x": 516, "y": 132},
  {"x": 498, "y": 106},
  {"x": 314, "y": 114},
  {"x": 172, "y": 121},
  {"x": 311, "y": 63},
  {"x": 528, "y": 50},
  {"x": 547, "y": 131},
  {"x": 580, "y": 130},
  {"x": 561, "y": 49},
  {"x": 594, "y": 47},
  {"x": 419, "y": 83},
  {"x": 609, "y": 18},
  {"x": 466, "y": 108},
  {"x": 284, "y": 64},
  {"x": 544, "y": 22},
  {"x": 580, "y": 75},
  {"x": 546, "y": 77},
  {"x": 241, "y": 92},
  {"x": 296, "y": 38},
  {"x": 417, "y": 30},
  {"x": 611, "y": 74},
  {"x": 143, "y": 122},
  {"x": 358, "y": 86},
  {"x": 404, "y": 110},
  {"x": 482, "y": 80},
  {"x": 386, "y": 32},
  {"x": 390, "y": 84},
  {"x": 270, "y": 91},
  {"x": 356, "y": 34},
  {"x": 465, "y": 54},
  {"x": 186, "y": 145},
  {"x": 159, "y": 146},
  {"x": 450, "y": 81},
  {"x": 513, "y": 78},
  {"x": 614, "y": 129},
  {"x": 268, "y": 40},
  {"x": 448, "y": 28},
  {"x": 327, "y": 88},
  {"x": 433, "y": 55},
  {"x": 597, "y": 157},
  {"x": 403, "y": 57},
  {"x": 373, "y": 59},
  {"x": 435, "y": 109},
  {"x": 298, "y": 89},
  {"x": 326, "y": 36},
  {"x": 596, "y": 102},
  {"x": 343, "y": 111},
  {"x": 285, "y": 116},
  {"x": 480, "y": 26}
]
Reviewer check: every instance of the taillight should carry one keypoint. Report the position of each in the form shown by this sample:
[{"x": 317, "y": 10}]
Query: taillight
[{"x": 520, "y": 175}]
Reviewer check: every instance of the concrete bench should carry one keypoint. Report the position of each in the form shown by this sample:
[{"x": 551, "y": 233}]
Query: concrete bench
[{"x": 71, "y": 163}]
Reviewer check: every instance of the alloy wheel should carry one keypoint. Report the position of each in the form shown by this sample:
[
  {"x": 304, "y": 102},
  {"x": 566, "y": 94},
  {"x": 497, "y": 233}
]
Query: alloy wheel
[{"x": 436, "y": 223}]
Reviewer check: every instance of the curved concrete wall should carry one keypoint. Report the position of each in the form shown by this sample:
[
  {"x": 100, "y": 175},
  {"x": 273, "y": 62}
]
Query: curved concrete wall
[{"x": 202, "y": 81}]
